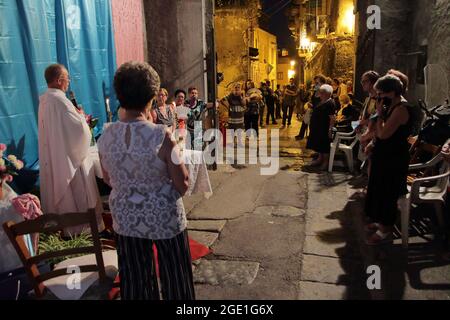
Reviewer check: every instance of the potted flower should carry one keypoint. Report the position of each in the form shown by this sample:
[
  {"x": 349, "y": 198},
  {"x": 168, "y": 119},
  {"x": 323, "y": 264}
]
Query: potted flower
[{"x": 8, "y": 167}]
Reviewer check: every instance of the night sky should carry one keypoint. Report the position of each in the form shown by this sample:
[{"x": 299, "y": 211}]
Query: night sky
[{"x": 279, "y": 22}]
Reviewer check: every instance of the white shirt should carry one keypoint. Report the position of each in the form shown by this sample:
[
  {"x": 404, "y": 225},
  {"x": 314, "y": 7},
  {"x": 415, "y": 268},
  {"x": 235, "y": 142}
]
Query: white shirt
[{"x": 66, "y": 172}]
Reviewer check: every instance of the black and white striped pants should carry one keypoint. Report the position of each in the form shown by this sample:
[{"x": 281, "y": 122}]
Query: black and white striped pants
[{"x": 137, "y": 270}]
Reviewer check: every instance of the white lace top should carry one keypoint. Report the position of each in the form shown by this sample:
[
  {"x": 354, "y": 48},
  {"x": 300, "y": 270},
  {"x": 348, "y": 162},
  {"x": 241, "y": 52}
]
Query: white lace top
[{"x": 143, "y": 201}]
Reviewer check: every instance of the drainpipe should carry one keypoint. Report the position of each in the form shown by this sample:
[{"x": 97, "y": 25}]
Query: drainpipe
[{"x": 205, "y": 49}]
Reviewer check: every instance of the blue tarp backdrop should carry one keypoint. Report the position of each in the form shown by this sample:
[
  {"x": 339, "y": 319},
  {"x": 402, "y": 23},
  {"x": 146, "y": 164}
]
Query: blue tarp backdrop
[{"x": 34, "y": 34}]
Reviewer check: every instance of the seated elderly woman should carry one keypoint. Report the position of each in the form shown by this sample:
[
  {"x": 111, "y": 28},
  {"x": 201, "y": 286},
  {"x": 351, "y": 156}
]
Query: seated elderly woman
[
  {"x": 345, "y": 115},
  {"x": 141, "y": 163},
  {"x": 320, "y": 127}
]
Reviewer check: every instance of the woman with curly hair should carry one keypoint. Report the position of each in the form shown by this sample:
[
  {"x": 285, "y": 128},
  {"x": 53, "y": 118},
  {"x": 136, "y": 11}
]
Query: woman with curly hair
[{"x": 141, "y": 163}]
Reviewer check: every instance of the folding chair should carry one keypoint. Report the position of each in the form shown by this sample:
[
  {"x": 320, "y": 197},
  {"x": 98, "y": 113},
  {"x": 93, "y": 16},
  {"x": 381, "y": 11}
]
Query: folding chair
[
  {"x": 418, "y": 193},
  {"x": 347, "y": 149}
]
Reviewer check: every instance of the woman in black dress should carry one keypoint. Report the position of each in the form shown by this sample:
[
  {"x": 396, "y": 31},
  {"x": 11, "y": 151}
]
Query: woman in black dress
[
  {"x": 390, "y": 159},
  {"x": 320, "y": 126},
  {"x": 345, "y": 115}
]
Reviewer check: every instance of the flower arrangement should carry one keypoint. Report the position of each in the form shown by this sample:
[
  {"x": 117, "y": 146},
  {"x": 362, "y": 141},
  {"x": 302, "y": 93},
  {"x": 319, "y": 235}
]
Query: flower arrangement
[
  {"x": 9, "y": 165},
  {"x": 92, "y": 123}
]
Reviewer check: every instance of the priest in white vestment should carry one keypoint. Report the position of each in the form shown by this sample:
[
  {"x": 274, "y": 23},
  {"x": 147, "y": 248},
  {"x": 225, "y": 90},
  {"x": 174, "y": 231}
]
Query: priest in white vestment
[{"x": 67, "y": 176}]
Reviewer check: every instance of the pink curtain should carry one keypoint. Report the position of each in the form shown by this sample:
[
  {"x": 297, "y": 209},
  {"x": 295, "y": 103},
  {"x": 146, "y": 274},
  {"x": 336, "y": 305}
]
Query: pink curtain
[{"x": 128, "y": 30}]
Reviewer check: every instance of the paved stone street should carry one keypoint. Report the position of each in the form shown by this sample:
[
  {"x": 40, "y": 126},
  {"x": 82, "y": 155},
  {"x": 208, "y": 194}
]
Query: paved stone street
[{"x": 298, "y": 235}]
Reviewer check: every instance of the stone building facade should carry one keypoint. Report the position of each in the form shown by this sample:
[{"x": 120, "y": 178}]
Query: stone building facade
[
  {"x": 334, "y": 58},
  {"x": 237, "y": 29},
  {"x": 179, "y": 43},
  {"x": 232, "y": 28},
  {"x": 412, "y": 35},
  {"x": 265, "y": 67},
  {"x": 324, "y": 30}
]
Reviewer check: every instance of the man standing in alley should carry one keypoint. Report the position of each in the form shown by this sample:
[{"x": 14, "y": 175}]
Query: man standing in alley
[
  {"x": 290, "y": 97},
  {"x": 68, "y": 183},
  {"x": 270, "y": 101},
  {"x": 196, "y": 112},
  {"x": 278, "y": 102}
]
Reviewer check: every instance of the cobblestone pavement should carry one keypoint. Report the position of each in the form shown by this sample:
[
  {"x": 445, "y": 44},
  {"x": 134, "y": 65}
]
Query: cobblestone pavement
[{"x": 299, "y": 235}]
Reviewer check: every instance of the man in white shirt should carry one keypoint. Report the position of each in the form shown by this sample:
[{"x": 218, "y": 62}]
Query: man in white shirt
[{"x": 67, "y": 176}]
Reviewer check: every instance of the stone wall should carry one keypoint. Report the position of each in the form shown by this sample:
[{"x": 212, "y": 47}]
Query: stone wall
[
  {"x": 439, "y": 39},
  {"x": 175, "y": 43},
  {"x": 322, "y": 62},
  {"x": 407, "y": 29},
  {"x": 394, "y": 36},
  {"x": 344, "y": 58},
  {"x": 333, "y": 59},
  {"x": 335, "y": 56},
  {"x": 232, "y": 27},
  {"x": 365, "y": 42}
]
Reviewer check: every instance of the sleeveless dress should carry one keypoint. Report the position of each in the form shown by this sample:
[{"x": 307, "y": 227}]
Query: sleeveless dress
[
  {"x": 319, "y": 139},
  {"x": 143, "y": 201},
  {"x": 167, "y": 119},
  {"x": 387, "y": 181}
]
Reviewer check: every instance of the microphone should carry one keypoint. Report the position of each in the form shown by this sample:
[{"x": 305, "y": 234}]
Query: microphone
[{"x": 73, "y": 99}]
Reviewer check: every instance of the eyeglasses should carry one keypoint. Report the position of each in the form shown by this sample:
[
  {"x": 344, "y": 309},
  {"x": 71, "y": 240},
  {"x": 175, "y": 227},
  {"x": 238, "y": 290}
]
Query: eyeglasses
[{"x": 180, "y": 97}]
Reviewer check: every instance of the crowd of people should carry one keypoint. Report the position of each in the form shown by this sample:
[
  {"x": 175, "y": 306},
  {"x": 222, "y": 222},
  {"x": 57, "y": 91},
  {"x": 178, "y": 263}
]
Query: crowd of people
[
  {"x": 182, "y": 114},
  {"x": 148, "y": 181},
  {"x": 248, "y": 107},
  {"x": 382, "y": 127}
]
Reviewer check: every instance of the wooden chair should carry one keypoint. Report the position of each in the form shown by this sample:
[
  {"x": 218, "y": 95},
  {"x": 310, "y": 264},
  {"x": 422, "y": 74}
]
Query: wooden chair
[{"x": 52, "y": 223}]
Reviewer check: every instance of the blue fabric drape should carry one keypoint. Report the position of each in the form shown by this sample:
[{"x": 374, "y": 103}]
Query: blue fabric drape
[
  {"x": 34, "y": 34},
  {"x": 24, "y": 54}
]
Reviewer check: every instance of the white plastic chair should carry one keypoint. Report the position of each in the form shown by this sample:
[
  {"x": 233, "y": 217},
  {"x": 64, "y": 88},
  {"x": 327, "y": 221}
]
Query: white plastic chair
[
  {"x": 347, "y": 149},
  {"x": 419, "y": 194}
]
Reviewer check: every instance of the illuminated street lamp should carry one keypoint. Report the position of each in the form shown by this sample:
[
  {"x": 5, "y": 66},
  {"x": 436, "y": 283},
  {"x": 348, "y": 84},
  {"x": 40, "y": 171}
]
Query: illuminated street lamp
[
  {"x": 348, "y": 20},
  {"x": 305, "y": 43},
  {"x": 292, "y": 63},
  {"x": 291, "y": 74}
]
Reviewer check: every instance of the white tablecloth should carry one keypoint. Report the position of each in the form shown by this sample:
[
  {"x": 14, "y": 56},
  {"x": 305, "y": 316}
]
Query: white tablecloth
[
  {"x": 198, "y": 173},
  {"x": 195, "y": 163},
  {"x": 93, "y": 154},
  {"x": 9, "y": 260}
]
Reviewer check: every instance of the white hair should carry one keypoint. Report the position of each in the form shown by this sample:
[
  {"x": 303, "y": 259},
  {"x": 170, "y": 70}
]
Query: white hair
[{"x": 326, "y": 88}]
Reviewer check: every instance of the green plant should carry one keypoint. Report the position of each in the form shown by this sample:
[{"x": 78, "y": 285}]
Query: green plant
[{"x": 54, "y": 242}]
